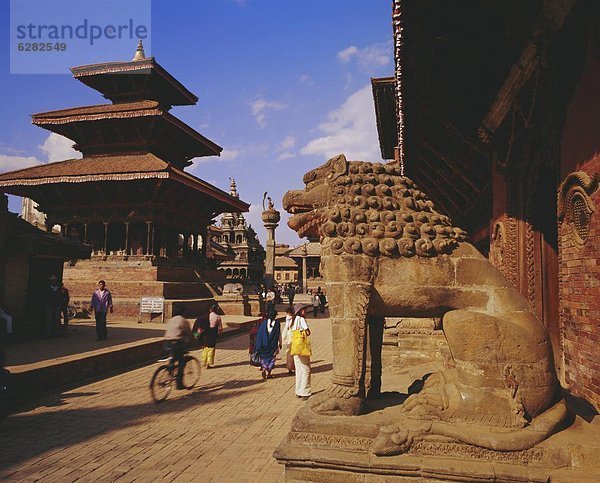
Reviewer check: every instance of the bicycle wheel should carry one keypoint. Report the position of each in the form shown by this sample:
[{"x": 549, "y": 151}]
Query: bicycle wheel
[
  {"x": 160, "y": 384},
  {"x": 191, "y": 371},
  {"x": 71, "y": 312}
]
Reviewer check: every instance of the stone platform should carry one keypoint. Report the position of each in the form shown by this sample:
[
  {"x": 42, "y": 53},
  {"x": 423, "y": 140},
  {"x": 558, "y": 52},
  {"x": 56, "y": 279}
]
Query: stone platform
[
  {"x": 129, "y": 278},
  {"x": 41, "y": 366}
]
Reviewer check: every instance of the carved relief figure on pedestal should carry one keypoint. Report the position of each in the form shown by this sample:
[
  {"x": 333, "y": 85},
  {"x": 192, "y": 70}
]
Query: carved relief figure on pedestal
[
  {"x": 575, "y": 205},
  {"x": 386, "y": 252}
]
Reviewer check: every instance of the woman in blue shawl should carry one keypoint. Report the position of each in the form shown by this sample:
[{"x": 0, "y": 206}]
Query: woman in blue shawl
[{"x": 268, "y": 343}]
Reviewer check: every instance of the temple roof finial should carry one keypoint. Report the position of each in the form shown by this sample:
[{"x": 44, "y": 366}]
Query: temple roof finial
[
  {"x": 232, "y": 188},
  {"x": 139, "y": 52}
]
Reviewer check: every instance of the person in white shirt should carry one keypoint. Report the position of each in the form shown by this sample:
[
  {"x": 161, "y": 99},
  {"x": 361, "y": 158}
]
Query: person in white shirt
[
  {"x": 316, "y": 301},
  {"x": 302, "y": 363},
  {"x": 270, "y": 301},
  {"x": 286, "y": 338}
]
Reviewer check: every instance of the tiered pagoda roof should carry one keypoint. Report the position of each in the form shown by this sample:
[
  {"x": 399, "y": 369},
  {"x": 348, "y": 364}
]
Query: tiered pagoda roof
[
  {"x": 141, "y": 126},
  {"x": 133, "y": 81},
  {"x": 138, "y": 120},
  {"x": 134, "y": 154}
]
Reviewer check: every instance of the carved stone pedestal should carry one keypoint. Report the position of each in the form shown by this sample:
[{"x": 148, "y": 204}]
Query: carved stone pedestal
[
  {"x": 337, "y": 449},
  {"x": 411, "y": 341},
  {"x": 233, "y": 304}
]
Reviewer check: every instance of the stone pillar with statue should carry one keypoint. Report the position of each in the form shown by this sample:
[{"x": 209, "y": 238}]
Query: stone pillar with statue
[{"x": 270, "y": 217}]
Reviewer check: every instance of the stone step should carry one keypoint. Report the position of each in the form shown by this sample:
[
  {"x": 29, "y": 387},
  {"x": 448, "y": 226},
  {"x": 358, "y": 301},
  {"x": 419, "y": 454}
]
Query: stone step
[
  {"x": 129, "y": 272},
  {"x": 143, "y": 289},
  {"x": 129, "y": 307}
]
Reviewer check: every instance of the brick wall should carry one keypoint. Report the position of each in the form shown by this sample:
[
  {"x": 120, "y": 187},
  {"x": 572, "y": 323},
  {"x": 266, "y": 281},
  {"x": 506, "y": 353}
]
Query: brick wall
[
  {"x": 15, "y": 288},
  {"x": 580, "y": 303}
]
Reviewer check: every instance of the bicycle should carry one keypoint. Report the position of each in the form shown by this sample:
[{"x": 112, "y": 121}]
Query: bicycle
[
  {"x": 71, "y": 311},
  {"x": 164, "y": 378}
]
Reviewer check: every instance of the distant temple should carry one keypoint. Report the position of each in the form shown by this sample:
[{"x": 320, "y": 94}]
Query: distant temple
[
  {"x": 247, "y": 266},
  {"x": 129, "y": 196}
]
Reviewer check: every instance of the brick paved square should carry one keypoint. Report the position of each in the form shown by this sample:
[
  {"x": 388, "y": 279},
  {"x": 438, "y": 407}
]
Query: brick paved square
[{"x": 224, "y": 430}]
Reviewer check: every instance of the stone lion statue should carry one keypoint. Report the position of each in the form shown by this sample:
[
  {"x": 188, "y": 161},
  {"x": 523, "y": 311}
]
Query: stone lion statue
[{"x": 386, "y": 251}]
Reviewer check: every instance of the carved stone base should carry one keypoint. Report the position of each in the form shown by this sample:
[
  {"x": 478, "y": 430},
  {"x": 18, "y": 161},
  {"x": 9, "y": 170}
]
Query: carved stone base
[
  {"x": 239, "y": 304},
  {"x": 336, "y": 449},
  {"x": 412, "y": 341}
]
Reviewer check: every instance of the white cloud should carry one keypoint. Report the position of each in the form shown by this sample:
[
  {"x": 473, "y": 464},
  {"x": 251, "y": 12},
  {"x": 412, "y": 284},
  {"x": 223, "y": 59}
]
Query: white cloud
[
  {"x": 287, "y": 143},
  {"x": 260, "y": 105},
  {"x": 55, "y": 148},
  {"x": 344, "y": 56},
  {"x": 350, "y": 129},
  {"x": 307, "y": 80},
  {"x": 368, "y": 58},
  {"x": 12, "y": 163},
  {"x": 285, "y": 155},
  {"x": 229, "y": 154},
  {"x": 58, "y": 148}
]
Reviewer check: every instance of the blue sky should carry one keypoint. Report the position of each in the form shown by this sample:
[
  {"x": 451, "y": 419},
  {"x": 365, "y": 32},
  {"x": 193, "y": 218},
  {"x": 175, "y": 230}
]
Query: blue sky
[{"x": 282, "y": 85}]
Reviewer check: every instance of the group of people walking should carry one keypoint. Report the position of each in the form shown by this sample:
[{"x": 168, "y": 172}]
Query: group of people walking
[
  {"x": 293, "y": 343},
  {"x": 267, "y": 341}
]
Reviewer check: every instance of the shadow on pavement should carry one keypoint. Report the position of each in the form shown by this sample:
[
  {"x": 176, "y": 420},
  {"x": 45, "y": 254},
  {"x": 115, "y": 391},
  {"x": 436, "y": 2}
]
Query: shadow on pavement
[
  {"x": 39, "y": 433},
  {"x": 76, "y": 342}
]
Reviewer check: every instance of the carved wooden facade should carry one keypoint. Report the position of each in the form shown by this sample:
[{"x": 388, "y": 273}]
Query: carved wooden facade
[{"x": 498, "y": 109}]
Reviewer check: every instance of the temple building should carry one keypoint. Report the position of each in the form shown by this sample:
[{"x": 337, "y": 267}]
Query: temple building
[
  {"x": 129, "y": 196},
  {"x": 308, "y": 258},
  {"x": 285, "y": 269},
  {"x": 493, "y": 110},
  {"x": 247, "y": 265}
]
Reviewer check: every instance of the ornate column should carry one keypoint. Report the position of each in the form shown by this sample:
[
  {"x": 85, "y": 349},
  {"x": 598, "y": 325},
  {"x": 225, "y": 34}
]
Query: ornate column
[
  {"x": 205, "y": 240},
  {"x": 148, "y": 231},
  {"x": 105, "y": 237},
  {"x": 186, "y": 245},
  {"x": 304, "y": 270},
  {"x": 152, "y": 234},
  {"x": 271, "y": 219},
  {"x": 126, "y": 238},
  {"x": 195, "y": 244}
]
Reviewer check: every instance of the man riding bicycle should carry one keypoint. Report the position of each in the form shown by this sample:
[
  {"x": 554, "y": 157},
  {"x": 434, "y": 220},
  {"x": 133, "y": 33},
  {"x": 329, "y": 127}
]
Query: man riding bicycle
[{"x": 178, "y": 336}]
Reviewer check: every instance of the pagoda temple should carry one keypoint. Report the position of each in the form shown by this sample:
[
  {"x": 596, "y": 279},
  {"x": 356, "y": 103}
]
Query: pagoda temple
[
  {"x": 247, "y": 266},
  {"x": 129, "y": 196}
]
